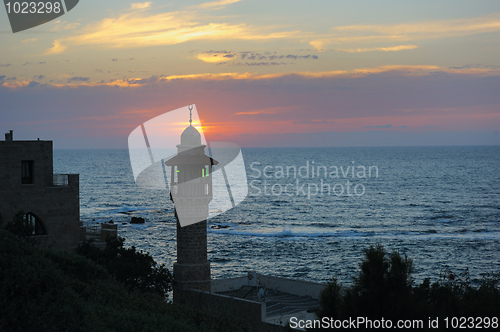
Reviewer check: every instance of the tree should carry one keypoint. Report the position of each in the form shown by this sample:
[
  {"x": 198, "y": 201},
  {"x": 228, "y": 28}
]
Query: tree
[
  {"x": 135, "y": 269},
  {"x": 329, "y": 299},
  {"x": 46, "y": 290},
  {"x": 384, "y": 289},
  {"x": 384, "y": 283}
]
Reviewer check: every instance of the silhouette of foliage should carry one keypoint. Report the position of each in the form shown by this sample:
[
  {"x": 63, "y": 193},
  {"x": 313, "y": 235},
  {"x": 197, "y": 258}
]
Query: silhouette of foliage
[
  {"x": 135, "y": 269},
  {"x": 384, "y": 289},
  {"x": 43, "y": 290},
  {"x": 329, "y": 299}
]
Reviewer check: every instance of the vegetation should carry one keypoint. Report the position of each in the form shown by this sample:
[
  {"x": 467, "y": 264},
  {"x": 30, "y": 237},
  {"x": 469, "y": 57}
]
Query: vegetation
[
  {"x": 122, "y": 289},
  {"x": 136, "y": 270},
  {"x": 384, "y": 289},
  {"x": 44, "y": 290}
]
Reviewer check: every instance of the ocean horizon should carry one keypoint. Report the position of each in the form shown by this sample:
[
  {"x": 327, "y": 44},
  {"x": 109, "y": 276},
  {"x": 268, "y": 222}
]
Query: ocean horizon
[{"x": 440, "y": 205}]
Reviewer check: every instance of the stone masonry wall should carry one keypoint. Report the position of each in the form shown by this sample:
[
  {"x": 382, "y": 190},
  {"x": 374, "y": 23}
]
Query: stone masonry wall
[{"x": 56, "y": 206}]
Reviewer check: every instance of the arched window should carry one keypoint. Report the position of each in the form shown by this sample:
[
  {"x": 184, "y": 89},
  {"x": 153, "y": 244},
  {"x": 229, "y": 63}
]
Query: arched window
[{"x": 38, "y": 227}]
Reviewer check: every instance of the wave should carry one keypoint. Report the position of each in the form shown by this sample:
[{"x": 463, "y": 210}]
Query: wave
[
  {"x": 129, "y": 209},
  {"x": 426, "y": 234},
  {"x": 137, "y": 226},
  {"x": 291, "y": 233}
]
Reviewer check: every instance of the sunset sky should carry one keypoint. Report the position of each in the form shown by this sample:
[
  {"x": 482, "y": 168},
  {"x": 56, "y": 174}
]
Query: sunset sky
[{"x": 261, "y": 73}]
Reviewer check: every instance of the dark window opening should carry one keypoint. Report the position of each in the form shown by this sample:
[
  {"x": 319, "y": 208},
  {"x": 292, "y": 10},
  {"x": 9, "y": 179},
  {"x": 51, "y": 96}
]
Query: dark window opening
[
  {"x": 27, "y": 171},
  {"x": 36, "y": 224}
]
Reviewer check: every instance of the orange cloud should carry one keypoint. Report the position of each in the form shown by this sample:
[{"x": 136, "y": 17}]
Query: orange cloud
[
  {"x": 270, "y": 110},
  {"x": 138, "y": 27},
  {"x": 215, "y": 4},
  {"x": 216, "y": 57},
  {"x": 406, "y": 70},
  {"x": 15, "y": 84},
  {"x": 380, "y": 49},
  {"x": 140, "y": 5},
  {"x": 56, "y": 48}
]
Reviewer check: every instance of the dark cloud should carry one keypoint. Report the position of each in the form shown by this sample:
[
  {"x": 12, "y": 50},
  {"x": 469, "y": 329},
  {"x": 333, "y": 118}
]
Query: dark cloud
[
  {"x": 78, "y": 79},
  {"x": 26, "y": 63},
  {"x": 217, "y": 52},
  {"x": 262, "y": 59},
  {"x": 378, "y": 127},
  {"x": 369, "y": 138},
  {"x": 33, "y": 84},
  {"x": 152, "y": 79},
  {"x": 4, "y": 78},
  {"x": 269, "y": 56},
  {"x": 61, "y": 113},
  {"x": 5, "y": 65},
  {"x": 313, "y": 122},
  {"x": 262, "y": 63},
  {"x": 39, "y": 77},
  {"x": 42, "y": 62},
  {"x": 295, "y": 57},
  {"x": 475, "y": 65},
  {"x": 116, "y": 59}
]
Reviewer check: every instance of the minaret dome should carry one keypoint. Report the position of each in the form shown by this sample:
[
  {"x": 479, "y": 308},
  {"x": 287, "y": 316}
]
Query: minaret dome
[{"x": 190, "y": 137}]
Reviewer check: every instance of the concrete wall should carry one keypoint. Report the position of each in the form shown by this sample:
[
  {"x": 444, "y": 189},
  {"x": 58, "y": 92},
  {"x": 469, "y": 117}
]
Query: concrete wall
[
  {"x": 229, "y": 284},
  {"x": 239, "y": 306},
  {"x": 290, "y": 286},
  {"x": 58, "y": 207},
  {"x": 250, "y": 314}
]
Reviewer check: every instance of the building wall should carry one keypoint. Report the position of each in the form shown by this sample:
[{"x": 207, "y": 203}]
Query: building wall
[
  {"x": 290, "y": 286},
  {"x": 248, "y": 313},
  {"x": 58, "y": 207}
]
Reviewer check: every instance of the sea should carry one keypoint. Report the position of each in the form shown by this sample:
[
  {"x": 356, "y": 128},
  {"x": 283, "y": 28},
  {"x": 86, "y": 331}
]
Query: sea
[{"x": 310, "y": 213}]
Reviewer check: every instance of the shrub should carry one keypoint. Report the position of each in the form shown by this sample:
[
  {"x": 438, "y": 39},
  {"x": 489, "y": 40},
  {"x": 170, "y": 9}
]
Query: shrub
[
  {"x": 383, "y": 285},
  {"x": 330, "y": 299},
  {"x": 44, "y": 290},
  {"x": 135, "y": 269},
  {"x": 384, "y": 289}
]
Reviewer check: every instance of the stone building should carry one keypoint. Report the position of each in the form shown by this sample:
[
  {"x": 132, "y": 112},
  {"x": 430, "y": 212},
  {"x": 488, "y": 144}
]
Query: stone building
[{"x": 49, "y": 201}]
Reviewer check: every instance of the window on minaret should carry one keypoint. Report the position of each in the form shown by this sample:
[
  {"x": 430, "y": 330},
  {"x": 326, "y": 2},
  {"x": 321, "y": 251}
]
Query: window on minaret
[{"x": 27, "y": 171}]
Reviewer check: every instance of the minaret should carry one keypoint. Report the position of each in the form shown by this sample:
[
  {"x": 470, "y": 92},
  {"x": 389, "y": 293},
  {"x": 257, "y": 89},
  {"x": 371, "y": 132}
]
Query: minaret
[{"x": 191, "y": 192}]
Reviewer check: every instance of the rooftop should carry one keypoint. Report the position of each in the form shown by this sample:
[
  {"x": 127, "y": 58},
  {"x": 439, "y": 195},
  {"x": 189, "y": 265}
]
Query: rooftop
[
  {"x": 281, "y": 298},
  {"x": 280, "y": 306}
]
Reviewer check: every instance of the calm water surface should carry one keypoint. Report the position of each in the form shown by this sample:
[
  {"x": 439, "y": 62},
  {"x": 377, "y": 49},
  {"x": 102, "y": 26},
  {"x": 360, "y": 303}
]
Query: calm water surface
[{"x": 311, "y": 212}]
